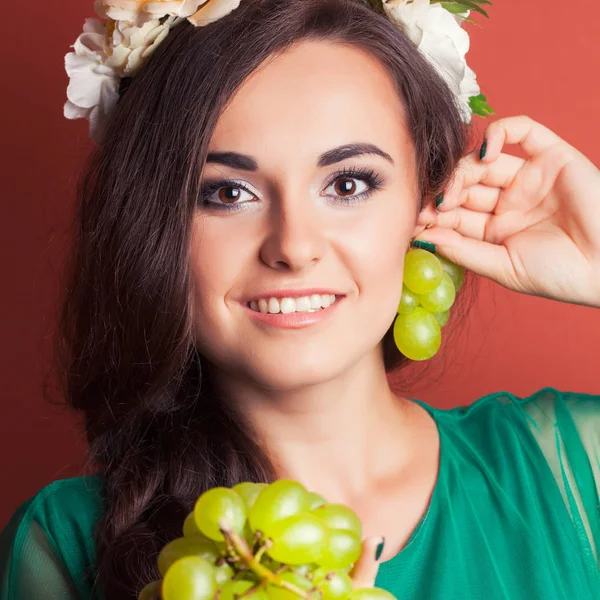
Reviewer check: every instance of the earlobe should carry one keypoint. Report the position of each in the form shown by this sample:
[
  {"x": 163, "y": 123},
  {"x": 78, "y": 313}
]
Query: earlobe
[{"x": 426, "y": 220}]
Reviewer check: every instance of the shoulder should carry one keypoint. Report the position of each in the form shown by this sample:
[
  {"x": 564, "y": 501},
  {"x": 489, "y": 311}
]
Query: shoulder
[
  {"x": 67, "y": 503},
  {"x": 496, "y": 422},
  {"x": 546, "y": 407},
  {"x": 65, "y": 513}
]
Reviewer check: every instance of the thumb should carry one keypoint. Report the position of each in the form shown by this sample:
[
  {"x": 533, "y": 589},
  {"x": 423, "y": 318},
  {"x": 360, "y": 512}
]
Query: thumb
[
  {"x": 366, "y": 568},
  {"x": 484, "y": 258}
]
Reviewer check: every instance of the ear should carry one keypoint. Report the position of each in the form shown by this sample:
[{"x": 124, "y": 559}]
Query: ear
[{"x": 427, "y": 217}]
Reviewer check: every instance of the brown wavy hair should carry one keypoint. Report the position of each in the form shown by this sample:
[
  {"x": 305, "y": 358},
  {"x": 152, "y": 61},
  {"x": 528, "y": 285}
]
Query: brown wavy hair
[{"x": 156, "y": 429}]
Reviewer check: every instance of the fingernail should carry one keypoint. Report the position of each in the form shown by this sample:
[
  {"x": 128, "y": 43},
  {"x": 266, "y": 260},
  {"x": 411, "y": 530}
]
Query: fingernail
[
  {"x": 379, "y": 550},
  {"x": 438, "y": 201},
  {"x": 423, "y": 245},
  {"x": 483, "y": 150}
]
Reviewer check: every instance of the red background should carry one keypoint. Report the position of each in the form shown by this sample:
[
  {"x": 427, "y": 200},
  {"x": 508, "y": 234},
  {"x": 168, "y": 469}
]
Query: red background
[{"x": 537, "y": 58}]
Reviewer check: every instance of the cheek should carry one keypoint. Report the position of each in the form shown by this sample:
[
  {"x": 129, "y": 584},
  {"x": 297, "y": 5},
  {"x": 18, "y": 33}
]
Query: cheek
[{"x": 215, "y": 266}]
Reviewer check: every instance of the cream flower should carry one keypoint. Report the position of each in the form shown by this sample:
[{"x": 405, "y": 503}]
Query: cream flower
[
  {"x": 440, "y": 37},
  {"x": 130, "y": 46},
  {"x": 94, "y": 87},
  {"x": 213, "y": 10},
  {"x": 139, "y": 12},
  {"x": 103, "y": 54}
]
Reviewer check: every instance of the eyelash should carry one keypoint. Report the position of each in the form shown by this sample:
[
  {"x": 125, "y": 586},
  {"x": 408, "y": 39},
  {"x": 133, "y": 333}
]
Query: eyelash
[{"x": 367, "y": 175}]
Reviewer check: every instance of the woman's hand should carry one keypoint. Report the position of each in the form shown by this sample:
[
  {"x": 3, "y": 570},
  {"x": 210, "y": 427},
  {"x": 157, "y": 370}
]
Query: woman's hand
[
  {"x": 366, "y": 568},
  {"x": 531, "y": 225}
]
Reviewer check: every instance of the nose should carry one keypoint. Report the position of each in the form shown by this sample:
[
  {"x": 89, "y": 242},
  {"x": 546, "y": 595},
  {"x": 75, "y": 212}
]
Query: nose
[{"x": 295, "y": 240}]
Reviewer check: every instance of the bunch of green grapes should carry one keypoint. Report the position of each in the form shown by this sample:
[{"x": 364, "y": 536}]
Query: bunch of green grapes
[
  {"x": 263, "y": 542},
  {"x": 430, "y": 285}
]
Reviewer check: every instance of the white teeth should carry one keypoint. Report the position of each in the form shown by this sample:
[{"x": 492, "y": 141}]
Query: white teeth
[
  {"x": 273, "y": 306},
  {"x": 290, "y": 305},
  {"x": 315, "y": 301},
  {"x": 302, "y": 304}
]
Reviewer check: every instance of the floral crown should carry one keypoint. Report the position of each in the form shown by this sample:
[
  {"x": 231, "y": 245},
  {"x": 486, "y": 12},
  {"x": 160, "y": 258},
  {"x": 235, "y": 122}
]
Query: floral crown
[{"x": 115, "y": 46}]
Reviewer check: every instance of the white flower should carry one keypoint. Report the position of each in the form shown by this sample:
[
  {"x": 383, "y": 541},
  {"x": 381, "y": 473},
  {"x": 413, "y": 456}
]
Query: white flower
[
  {"x": 130, "y": 46},
  {"x": 213, "y": 10},
  {"x": 440, "y": 37},
  {"x": 103, "y": 54},
  {"x": 94, "y": 87},
  {"x": 139, "y": 12}
]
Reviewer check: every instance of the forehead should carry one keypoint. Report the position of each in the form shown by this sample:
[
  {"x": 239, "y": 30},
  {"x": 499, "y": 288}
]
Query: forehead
[{"x": 314, "y": 96}]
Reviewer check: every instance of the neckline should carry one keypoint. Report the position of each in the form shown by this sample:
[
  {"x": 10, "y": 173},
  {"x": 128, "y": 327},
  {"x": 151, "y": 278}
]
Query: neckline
[{"x": 434, "y": 501}]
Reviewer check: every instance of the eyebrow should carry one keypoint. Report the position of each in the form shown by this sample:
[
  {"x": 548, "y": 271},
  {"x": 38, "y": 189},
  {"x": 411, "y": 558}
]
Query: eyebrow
[
  {"x": 350, "y": 151},
  {"x": 243, "y": 162}
]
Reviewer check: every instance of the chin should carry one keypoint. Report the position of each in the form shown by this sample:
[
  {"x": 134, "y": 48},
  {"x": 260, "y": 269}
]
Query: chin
[{"x": 289, "y": 374}]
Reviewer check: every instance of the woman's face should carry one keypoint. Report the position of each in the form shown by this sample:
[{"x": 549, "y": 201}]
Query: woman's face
[{"x": 310, "y": 185}]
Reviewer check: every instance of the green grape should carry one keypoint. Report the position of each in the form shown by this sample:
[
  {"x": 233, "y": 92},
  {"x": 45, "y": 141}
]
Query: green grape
[
  {"x": 277, "y": 501},
  {"x": 223, "y": 573},
  {"x": 422, "y": 271},
  {"x": 216, "y": 504},
  {"x": 408, "y": 301},
  {"x": 189, "y": 578},
  {"x": 315, "y": 500},
  {"x": 189, "y": 546},
  {"x": 189, "y": 526},
  {"x": 235, "y": 589},
  {"x": 371, "y": 594},
  {"x": 332, "y": 584},
  {"x": 299, "y": 539},
  {"x": 150, "y": 592},
  {"x": 442, "y": 317},
  {"x": 306, "y": 570},
  {"x": 456, "y": 272},
  {"x": 338, "y": 516},
  {"x": 278, "y": 593},
  {"x": 249, "y": 492},
  {"x": 344, "y": 549},
  {"x": 418, "y": 335},
  {"x": 441, "y": 298}
]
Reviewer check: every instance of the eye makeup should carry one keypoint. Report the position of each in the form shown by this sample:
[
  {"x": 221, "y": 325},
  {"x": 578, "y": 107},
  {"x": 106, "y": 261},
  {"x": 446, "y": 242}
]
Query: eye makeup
[{"x": 368, "y": 176}]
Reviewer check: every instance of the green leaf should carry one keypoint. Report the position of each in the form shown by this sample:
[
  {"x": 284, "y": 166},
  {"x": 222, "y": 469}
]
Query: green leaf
[
  {"x": 454, "y": 7},
  {"x": 457, "y": 7},
  {"x": 480, "y": 107}
]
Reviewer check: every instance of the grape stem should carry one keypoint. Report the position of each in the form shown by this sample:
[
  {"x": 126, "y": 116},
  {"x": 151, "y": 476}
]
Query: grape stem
[
  {"x": 240, "y": 546},
  {"x": 263, "y": 548}
]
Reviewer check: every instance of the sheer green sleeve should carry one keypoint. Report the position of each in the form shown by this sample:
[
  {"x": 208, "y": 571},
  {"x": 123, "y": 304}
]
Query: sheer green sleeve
[
  {"x": 567, "y": 428},
  {"x": 47, "y": 551},
  {"x": 30, "y": 565}
]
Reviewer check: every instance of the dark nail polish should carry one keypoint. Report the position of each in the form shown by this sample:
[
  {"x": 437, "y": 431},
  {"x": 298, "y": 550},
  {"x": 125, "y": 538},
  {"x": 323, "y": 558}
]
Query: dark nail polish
[
  {"x": 424, "y": 245},
  {"x": 483, "y": 150},
  {"x": 379, "y": 550},
  {"x": 438, "y": 201}
]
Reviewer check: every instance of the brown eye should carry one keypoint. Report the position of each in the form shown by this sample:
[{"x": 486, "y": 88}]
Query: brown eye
[
  {"x": 345, "y": 186},
  {"x": 229, "y": 195}
]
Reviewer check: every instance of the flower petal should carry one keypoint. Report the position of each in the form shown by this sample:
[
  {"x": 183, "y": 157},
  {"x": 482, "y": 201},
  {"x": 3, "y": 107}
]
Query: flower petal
[{"x": 213, "y": 10}]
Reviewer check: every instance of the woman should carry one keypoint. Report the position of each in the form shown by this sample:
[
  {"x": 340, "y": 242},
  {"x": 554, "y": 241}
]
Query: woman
[{"x": 293, "y": 149}]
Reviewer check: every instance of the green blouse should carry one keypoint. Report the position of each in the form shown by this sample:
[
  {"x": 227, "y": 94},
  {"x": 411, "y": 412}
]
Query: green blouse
[{"x": 515, "y": 513}]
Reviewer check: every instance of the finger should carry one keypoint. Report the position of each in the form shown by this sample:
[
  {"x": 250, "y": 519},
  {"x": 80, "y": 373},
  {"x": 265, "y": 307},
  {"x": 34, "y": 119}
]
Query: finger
[
  {"x": 484, "y": 258},
  {"x": 366, "y": 568},
  {"x": 470, "y": 171},
  {"x": 530, "y": 135},
  {"x": 467, "y": 222},
  {"x": 480, "y": 198}
]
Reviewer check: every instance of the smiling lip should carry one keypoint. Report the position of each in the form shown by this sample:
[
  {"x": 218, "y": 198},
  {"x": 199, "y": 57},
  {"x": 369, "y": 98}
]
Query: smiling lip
[
  {"x": 293, "y": 294},
  {"x": 296, "y": 320}
]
